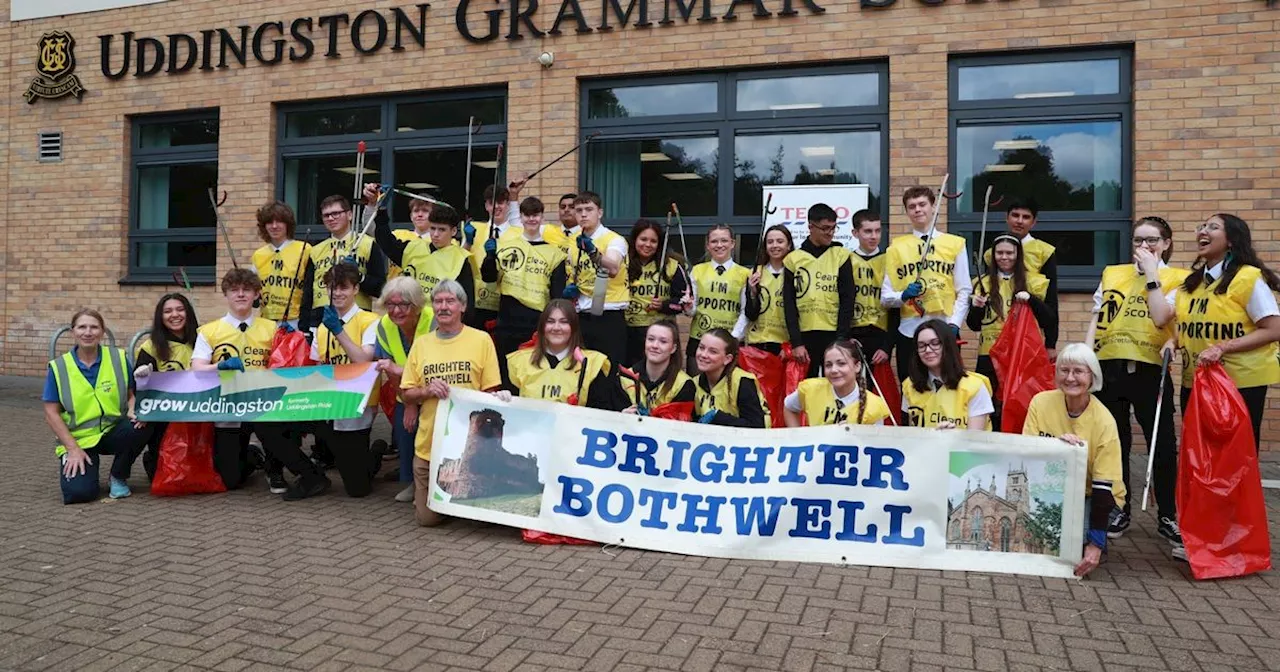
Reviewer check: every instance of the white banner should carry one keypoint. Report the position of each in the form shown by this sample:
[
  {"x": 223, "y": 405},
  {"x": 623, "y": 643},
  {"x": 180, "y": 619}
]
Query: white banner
[
  {"x": 791, "y": 207},
  {"x": 889, "y": 496}
]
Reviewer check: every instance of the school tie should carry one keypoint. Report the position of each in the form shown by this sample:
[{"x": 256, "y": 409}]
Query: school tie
[
  {"x": 937, "y": 384},
  {"x": 719, "y": 270},
  {"x": 244, "y": 326}
]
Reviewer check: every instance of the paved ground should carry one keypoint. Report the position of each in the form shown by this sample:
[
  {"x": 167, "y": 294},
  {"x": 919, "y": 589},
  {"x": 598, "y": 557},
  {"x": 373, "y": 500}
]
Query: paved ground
[{"x": 243, "y": 581}]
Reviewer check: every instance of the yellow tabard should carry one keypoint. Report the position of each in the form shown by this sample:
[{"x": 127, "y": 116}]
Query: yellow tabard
[
  {"x": 1125, "y": 329},
  {"x": 1206, "y": 318},
  {"x": 929, "y": 409},
  {"x": 558, "y": 383},
  {"x": 179, "y": 356},
  {"x": 430, "y": 267},
  {"x": 719, "y": 297},
  {"x": 330, "y": 252},
  {"x": 818, "y": 399},
  {"x": 992, "y": 324},
  {"x": 524, "y": 270},
  {"x": 723, "y": 396},
  {"x": 583, "y": 272},
  {"x": 252, "y": 346},
  {"x": 637, "y": 393},
  {"x": 903, "y": 261},
  {"x": 281, "y": 271},
  {"x": 645, "y": 288},
  {"x": 868, "y": 278},
  {"x": 406, "y": 235},
  {"x": 817, "y": 294},
  {"x": 1035, "y": 253},
  {"x": 771, "y": 325}
]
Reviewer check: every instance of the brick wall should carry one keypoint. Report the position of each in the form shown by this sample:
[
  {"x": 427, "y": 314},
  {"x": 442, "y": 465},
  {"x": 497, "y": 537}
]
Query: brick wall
[{"x": 1207, "y": 87}]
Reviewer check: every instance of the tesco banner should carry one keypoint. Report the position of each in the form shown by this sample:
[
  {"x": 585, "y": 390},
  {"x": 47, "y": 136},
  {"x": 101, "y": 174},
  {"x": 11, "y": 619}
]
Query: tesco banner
[
  {"x": 889, "y": 496},
  {"x": 790, "y": 207}
]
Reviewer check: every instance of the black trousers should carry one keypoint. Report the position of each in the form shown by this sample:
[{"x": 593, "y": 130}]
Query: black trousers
[
  {"x": 635, "y": 345},
  {"x": 606, "y": 333},
  {"x": 351, "y": 455},
  {"x": 231, "y": 458},
  {"x": 1123, "y": 391},
  {"x": 905, "y": 347},
  {"x": 771, "y": 348},
  {"x": 1255, "y": 399},
  {"x": 986, "y": 368},
  {"x": 481, "y": 317},
  {"x": 507, "y": 341},
  {"x": 816, "y": 343}
]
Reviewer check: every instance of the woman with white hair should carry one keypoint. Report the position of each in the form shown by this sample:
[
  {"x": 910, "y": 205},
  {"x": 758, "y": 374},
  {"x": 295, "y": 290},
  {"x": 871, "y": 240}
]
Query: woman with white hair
[
  {"x": 1071, "y": 413},
  {"x": 404, "y": 322}
]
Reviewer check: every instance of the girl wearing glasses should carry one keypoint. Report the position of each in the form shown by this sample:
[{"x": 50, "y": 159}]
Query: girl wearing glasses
[
  {"x": 841, "y": 397},
  {"x": 1225, "y": 311},
  {"x": 938, "y": 392},
  {"x": 1129, "y": 348},
  {"x": 407, "y": 317},
  {"x": 718, "y": 288},
  {"x": 1007, "y": 281}
]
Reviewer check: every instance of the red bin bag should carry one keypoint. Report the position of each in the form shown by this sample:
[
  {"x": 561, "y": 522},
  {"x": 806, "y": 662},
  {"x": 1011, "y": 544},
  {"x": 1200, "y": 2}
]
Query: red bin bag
[
  {"x": 1022, "y": 366},
  {"x": 771, "y": 373},
  {"x": 186, "y": 461},
  {"x": 289, "y": 349}
]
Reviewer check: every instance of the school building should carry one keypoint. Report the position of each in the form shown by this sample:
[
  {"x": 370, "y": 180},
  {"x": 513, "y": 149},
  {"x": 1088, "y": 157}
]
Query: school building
[{"x": 122, "y": 114}]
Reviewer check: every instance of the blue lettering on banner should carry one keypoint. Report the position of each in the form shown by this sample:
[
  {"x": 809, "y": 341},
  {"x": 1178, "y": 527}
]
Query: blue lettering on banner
[
  {"x": 807, "y": 517},
  {"x": 660, "y": 501},
  {"x": 750, "y": 514},
  {"x": 599, "y": 452},
  {"x": 791, "y": 455}
]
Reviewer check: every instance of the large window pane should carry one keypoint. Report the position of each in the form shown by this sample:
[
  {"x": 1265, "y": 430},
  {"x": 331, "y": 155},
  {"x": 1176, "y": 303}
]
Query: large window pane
[
  {"x": 851, "y": 157},
  {"x": 441, "y": 174},
  {"x": 178, "y": 134},
  {"x": 341, "y": 121},
  {"x": 188, "y": 254},
  {"x": 176, "y": 196},
  {"x": 1073, "y": 166},
  {"x": 309, "y": 180},
  {"x": 652, "y": 100},
  {"x": 809, "y": 92},
  {"x": 642, "y": 178},
  {"x": 449, "y": 113},
  {"x": 1024, "y": 81}
]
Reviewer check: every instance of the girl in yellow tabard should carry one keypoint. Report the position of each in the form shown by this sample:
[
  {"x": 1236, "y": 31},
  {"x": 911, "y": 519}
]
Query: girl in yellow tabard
[
  {"x": 762, "y": 306},
  {"x": 1225, "y": 311},
  {"x": 282, "y": 264},
  {"x": 166, "y": 348},
  {"x": 1130, "y": 349},
  {"x": 660, "y": 377},
  {"x": 557, "y": 368},
  {"x": 725, "y": 394},
  {"x": 654, "y": 294},
  {"x": 1007, "y": 281},
  {"x": 938, "y": 392},
  {"x": 839, "y": 398},
  {"x": 718, "y": 287},
  {"x": 407, "y": 317}
]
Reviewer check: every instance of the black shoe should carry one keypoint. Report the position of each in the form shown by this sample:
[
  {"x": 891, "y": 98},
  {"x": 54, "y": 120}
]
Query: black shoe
[
  {"x": 277, "y": 484},
  {"x": 1168, "y": 528},
  {"x": 1117, "y": 523},
  {"x": 382, "y": 450},
  {"x": 308, "y": 486},
  {"x": 322, "y": 464},
  {"x": 257, "y": 457}
]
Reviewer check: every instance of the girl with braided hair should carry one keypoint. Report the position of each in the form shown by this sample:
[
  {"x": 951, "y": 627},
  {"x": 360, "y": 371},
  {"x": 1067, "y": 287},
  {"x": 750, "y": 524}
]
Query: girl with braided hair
[{"x": 829, "y": 400}]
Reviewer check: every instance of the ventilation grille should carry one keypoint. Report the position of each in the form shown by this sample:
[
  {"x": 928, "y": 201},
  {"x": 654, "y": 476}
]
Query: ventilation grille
[{"x": 51, "y": 146}]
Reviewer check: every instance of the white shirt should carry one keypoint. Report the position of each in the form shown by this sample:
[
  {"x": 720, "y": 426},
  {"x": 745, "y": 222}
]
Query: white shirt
[
  {"x": 368, "y": 338},
  {"x": 1261, "y": 305},
  {"x": 204, "y": 351},
  {"x": 792, "y": 402},
  {"x": 959, "y": 310},
  {"x": 1097, "y": 293},
  {"x": 618, "y": 246},
  {"x": 867, "y": 254},
  {"x": 980, "y": 404},
  {"x": 740, "y": 327}
]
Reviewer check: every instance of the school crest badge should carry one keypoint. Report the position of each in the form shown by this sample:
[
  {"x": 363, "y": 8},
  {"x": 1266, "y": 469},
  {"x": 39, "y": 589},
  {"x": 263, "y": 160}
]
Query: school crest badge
[{"x": 56, "y": 64}]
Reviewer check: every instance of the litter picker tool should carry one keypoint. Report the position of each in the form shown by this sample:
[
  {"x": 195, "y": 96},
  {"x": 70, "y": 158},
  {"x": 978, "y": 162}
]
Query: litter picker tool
[
  {"x": 558, "y": 159},
  {"x": 217, "y": 203},
  {"x": 870, "y": 375},
  {"x": 302, "y": 262},
  {"x": 358, "y": 189},
  {"x": 493, "y": 214},
  {"x": 1155, "y": 429},
  {"x": 180, "y": 277},
  {"x": 473, "y": 127},
  {"x": 420, "y": 197},
  {"x": 370, "y": 212},
  {"x": 764, "y": 226},
  {"x": 684, "y": 247},
  {"x": 987, "y": 204},
  {"x": 662, "y": 258}
]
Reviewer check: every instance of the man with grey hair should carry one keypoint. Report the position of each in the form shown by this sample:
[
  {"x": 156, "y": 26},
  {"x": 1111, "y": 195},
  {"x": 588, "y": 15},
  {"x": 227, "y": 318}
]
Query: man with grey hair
[{"x": 451, "y": 355}]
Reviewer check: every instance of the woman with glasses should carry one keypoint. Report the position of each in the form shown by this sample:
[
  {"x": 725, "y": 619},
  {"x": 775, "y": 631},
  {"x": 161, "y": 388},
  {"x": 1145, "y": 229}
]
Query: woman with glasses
[
  {"x": 1129, "y": 348},
  {"x": 407, "y": 318},
  {"x": 1225, "y": 311},
  {"x": 938, "y": 392}
]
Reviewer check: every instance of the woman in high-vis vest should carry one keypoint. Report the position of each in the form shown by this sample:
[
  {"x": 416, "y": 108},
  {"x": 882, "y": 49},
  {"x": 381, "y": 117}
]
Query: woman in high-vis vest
[
  {"x": 840, "y": 397},
  {"x": 407, "y": 317},
  {"x": 1071, "y": 413},
  {"x": 282, "y": 264},
  {"x": 558, "y": 368},
  {"x": 1007, "y": 281},
  {"x": 762, "y": 304},
  {"x": 660, "y": 377},
  {"x": 718, "y": 287},
  {"x": 655, "y": 294},
  {"x": 1130, "y": 350},
  {"x": 1225, "y": 312},
  {"x": 88, "y": 403},
  {"x": 938, "y": 392},
  {"x": 725, "y": 394},
  {"x": 166, "y": 348}
]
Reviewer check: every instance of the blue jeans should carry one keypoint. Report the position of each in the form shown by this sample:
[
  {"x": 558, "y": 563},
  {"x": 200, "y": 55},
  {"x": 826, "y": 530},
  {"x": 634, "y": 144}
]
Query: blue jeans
[
  {"x": 125, "y": 442},
  {"x": 403, "y": 439}
]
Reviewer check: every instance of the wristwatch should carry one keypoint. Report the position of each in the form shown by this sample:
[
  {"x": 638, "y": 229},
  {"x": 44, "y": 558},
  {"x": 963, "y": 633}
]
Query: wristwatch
[{"x": 1153, "y": 284}]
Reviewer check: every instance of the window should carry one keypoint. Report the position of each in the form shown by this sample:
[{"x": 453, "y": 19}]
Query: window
[
  {"x": 417, "y": 144},
  {"x": 711, "y": 142},
  {"x": 172, "y": 226},
  {"x": 1055, "y": 128}
]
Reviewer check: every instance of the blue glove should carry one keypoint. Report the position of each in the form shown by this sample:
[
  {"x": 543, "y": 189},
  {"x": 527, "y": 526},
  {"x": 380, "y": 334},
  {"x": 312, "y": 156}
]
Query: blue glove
[
  {"x": 468, "y": 233},
  {"x": 642, "y": 410},
  {"x": 586, "y": 245},
  {"x": 707, "y": 417},
  {"x": 571, "y": 292},
  {"x": 288, "y": 328},
  {"x": 332, "y": 320},
  {"x": 491, "y": 246},
  {"x": 955, "y": 331},
  {"x": 231, "y": 364},
  {"x": 912, "y": 291},
  {"x": 350, "y": 259}
]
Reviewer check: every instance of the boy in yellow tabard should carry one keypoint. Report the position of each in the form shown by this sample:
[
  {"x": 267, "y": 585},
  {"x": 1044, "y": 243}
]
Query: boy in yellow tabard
[
  {"x": 873, "y": 324},
  {"x": 818, "y": 290},
  {"x": 341, "y": 245},
  {"x": 282, "y": 264}
]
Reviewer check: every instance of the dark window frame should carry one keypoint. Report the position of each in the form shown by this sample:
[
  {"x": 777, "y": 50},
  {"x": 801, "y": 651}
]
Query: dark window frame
[
  {"x": 723, "y": 125},
  {"x": 386, "y": 142},
  {"x": 1111, "y": 107},
  {"x": 148, "y": 157}
]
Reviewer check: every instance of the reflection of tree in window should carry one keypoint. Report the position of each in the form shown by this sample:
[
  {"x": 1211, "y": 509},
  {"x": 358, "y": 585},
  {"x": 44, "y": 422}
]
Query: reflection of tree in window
[
  {"x": 1038, "y": 179},
  {"x": 748, "y": 186}
]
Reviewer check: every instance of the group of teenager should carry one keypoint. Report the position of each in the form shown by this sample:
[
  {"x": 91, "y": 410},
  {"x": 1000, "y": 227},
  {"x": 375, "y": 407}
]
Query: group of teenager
[{"x": 574, "y": 312}]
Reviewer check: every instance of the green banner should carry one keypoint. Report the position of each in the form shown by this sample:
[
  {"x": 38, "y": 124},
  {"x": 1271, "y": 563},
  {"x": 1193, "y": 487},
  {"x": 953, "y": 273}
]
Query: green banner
[{"x": 276, "y": 395}]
